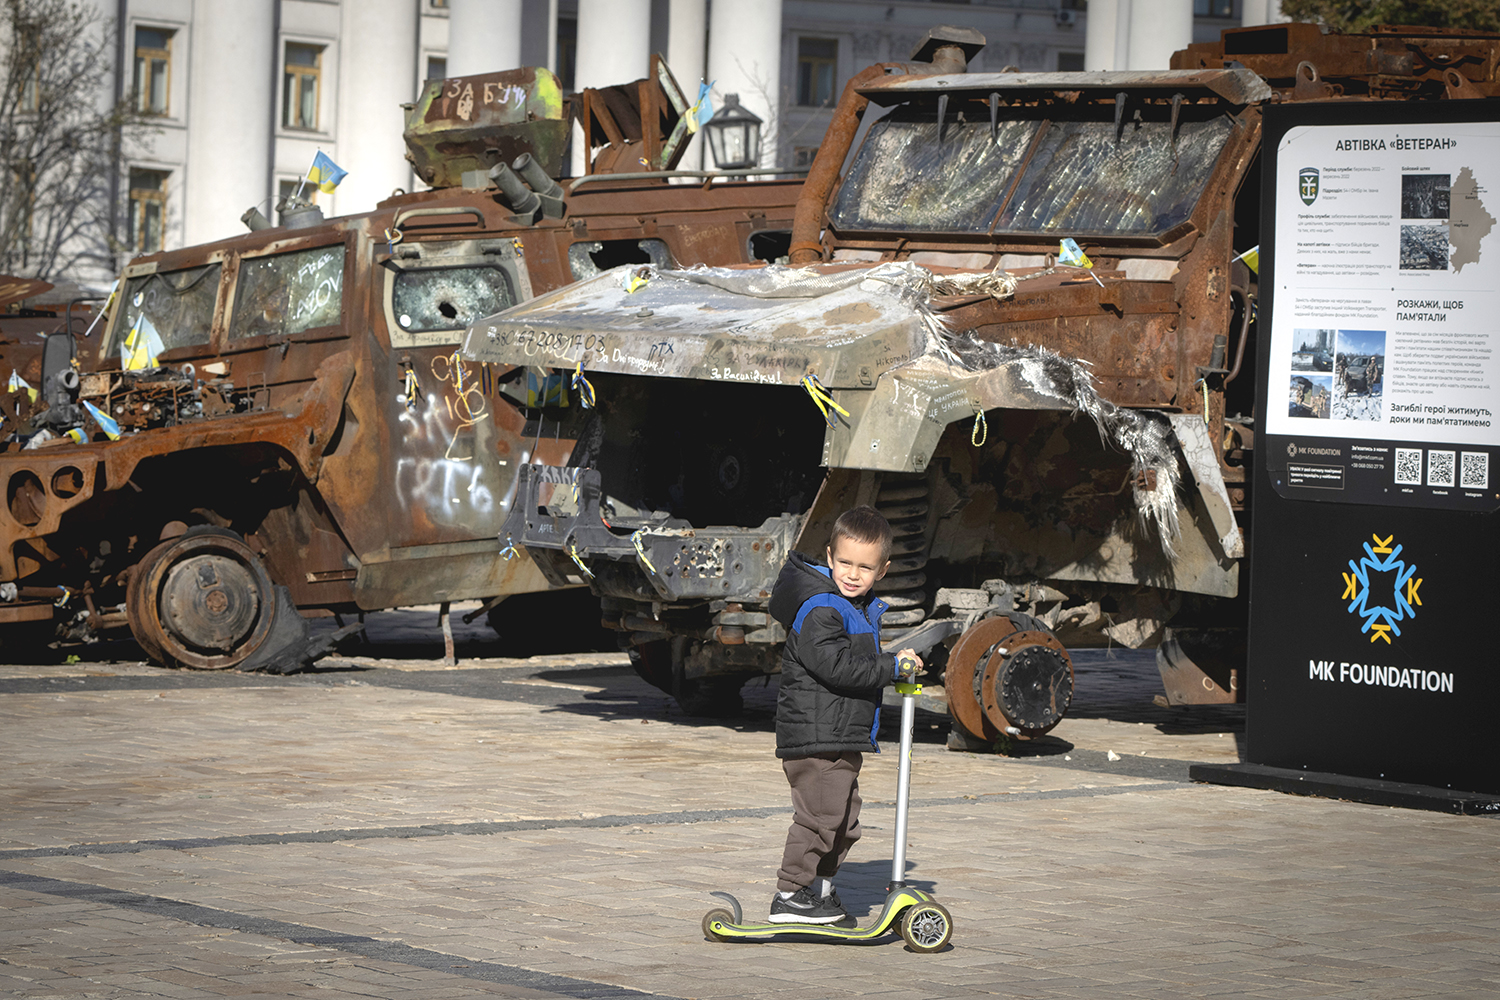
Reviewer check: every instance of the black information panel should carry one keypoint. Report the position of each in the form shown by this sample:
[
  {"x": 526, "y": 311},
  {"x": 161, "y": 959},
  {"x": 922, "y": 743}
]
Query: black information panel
[{"x": 1375, "y": 531}]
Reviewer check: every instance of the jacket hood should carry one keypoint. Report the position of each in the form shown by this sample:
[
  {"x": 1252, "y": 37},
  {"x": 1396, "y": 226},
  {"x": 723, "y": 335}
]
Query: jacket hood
[{"x": 799, "y": 580}]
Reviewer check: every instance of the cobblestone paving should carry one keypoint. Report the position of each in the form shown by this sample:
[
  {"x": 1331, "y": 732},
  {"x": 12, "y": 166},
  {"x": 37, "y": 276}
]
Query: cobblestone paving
[{"x": 387, "y": 827}]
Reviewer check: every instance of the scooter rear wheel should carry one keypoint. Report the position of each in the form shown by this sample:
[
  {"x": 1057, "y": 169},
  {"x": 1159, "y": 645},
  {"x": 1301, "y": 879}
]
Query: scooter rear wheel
[
  {"x": 720, "y": 916},
  {"x": 926, "y": 927}
]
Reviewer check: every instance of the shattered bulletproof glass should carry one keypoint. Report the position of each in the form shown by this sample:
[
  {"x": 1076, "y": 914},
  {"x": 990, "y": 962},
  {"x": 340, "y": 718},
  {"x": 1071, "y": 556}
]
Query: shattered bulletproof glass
[
  {"x": 449, "y": 298},
  {"x": 1082, "y": 180},
  {"x": 904, "y": 178},
  {"x": 289, "y": 293},
  {"x": 1079, "y": 179},
  {"x": 179, "y": 305}
]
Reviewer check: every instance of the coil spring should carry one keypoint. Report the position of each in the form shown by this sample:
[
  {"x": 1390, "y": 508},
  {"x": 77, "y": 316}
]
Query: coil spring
[{"x": 904, "y": 502}]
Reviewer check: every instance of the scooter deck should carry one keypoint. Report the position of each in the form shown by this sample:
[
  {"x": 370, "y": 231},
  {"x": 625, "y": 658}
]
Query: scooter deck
[{"x": 733, "y": 929}]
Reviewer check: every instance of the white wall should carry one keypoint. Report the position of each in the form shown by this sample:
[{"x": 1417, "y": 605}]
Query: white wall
[
  {"x": 229, "y": 97},
  {"x": 1136, "y": 34},
  {"x": 484, "y": 36},
  {"x": 370, "y": 118},
  {"x": 687, "y": 54},
  {"x": 744, "y": 56}
]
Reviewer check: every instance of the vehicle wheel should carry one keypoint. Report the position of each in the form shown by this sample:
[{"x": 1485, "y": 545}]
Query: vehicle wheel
[
  {"x": 722, "y": 916},
  {"x": 926, "y": 927},
  {"x": 202, "y": 600}
]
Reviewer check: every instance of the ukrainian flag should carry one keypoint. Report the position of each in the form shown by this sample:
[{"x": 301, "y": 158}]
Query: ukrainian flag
[{"x": 325, "y": 173}]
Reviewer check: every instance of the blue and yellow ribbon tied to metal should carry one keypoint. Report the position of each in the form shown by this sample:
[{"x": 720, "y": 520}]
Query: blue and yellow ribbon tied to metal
[
  {"x": 981, "y": 432},
  {"x": 573, "y": 551},
  {"x": 640, "y": 549},
  {"x": 509, "y": 552},
  {"x": 824, "y": 400},
  {"x": 583, "y": 387}
]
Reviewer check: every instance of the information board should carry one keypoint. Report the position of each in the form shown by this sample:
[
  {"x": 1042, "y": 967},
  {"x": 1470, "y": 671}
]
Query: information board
[
  {"x": 1373, "y": 529},
  {"x": 1384, "y": 339}
]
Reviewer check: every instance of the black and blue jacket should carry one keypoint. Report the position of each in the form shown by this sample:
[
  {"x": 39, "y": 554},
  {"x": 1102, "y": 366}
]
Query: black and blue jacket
[{"x": 832, "y": 669}]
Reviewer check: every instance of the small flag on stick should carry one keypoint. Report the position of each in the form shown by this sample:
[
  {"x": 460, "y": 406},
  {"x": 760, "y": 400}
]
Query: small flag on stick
[
  {"x": 1251, "y": 258},
  {"x": 325, "y": 174}
]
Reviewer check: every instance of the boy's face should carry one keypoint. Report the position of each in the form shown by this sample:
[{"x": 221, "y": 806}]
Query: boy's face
[{"x": 856, "y": 566}]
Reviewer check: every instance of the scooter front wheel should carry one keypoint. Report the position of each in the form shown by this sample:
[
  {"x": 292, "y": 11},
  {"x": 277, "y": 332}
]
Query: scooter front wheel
[
  {"x": 926, "y": 927},
  {"x": 712, "y": 917}
]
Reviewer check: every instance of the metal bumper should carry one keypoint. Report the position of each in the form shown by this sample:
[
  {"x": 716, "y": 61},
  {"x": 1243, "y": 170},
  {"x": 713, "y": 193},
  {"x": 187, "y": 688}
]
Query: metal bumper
[{"x": 576, "y": 534}]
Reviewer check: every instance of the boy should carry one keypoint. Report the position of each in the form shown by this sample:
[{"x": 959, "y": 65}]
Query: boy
[{"x": 828, "y": 709}]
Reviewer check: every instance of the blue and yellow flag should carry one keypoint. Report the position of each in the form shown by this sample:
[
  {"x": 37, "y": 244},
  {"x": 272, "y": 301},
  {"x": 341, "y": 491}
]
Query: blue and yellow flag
[
  {"x": 325, "y": 173},
  {"x": 702, "y": 110},
  {"x": 1251, "y": 258}
]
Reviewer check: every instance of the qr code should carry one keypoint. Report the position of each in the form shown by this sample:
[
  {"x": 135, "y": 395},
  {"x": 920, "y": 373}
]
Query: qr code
[
  {"x": 1475, "y": 474},
  {"x": 1409, "y": 466},
  {"x": 1440, "y": 468}
]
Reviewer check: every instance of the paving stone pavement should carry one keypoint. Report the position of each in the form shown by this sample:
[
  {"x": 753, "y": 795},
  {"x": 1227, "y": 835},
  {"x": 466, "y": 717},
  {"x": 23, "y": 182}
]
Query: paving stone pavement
[{"x": 387, "y": 827}]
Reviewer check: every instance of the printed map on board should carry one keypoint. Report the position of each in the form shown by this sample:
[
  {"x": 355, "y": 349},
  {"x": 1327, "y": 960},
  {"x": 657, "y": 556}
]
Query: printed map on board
[{"x": 1469, "y": 222}]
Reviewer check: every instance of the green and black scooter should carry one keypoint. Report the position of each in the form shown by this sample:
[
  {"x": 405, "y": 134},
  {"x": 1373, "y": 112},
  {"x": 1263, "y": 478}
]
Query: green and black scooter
[{"x": 921, "y": 920}]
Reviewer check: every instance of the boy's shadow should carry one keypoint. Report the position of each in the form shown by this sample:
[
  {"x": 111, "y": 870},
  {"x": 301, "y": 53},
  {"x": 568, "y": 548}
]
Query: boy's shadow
[{"x": 861, "y": 886}]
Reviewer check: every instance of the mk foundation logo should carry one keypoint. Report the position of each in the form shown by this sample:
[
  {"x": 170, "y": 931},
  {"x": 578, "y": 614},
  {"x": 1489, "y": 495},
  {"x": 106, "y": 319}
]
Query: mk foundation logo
[
  {"x": 1307, "y": 184},
  {"x": 1382, "y": 589}
]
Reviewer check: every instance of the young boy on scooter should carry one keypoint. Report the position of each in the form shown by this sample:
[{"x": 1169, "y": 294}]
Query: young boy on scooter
[{"x": 828, "y": 708}]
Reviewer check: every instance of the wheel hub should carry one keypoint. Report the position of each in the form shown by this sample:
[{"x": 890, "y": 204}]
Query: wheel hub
[{"x": 210, "y": 602}]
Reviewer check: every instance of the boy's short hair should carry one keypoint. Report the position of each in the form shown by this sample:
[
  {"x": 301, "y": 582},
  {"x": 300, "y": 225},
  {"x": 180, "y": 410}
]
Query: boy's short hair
[{"x": 863, "y": 524}]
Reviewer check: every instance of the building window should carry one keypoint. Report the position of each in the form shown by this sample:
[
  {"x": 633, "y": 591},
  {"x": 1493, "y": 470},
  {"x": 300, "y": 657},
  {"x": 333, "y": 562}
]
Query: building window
[
  {"x": 1213, "y": 8},
  {"x": 567, "y": 50},
  {"x": 148, "y": 210},
  {"x": 299, "y": 100},
  {"x": 153, "y": 70},
  {"x": 803, "y": 156},
  {"x": 437, "y": 68},
  {"x": 1070, "y": 62},
  {"x": 441, "y": 5},
  {"x": 817, "y": 64}
]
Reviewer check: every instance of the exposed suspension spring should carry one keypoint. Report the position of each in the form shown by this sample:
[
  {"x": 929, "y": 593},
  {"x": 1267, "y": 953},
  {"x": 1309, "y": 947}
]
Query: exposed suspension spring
[{"x": 904, "y": 502}]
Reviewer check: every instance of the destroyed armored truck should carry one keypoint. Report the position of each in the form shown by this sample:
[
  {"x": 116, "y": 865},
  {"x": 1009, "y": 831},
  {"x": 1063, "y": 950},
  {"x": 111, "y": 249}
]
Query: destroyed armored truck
[
  {"x": 279, "y": 422},
  {"x": 1016, "y": 322}
]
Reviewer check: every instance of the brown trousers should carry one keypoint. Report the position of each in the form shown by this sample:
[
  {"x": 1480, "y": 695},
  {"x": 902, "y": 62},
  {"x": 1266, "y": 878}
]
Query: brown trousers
[{"x": 825, "y": 817}]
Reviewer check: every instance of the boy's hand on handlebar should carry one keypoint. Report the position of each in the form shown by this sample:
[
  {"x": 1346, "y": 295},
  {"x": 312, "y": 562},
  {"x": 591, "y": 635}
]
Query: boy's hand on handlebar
[{"x": 908, "y": 665}]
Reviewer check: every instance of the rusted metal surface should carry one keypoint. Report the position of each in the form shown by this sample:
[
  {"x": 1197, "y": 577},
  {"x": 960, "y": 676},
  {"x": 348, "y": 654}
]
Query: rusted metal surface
[
  {"x": 1401, "y": 62},
  {"x": 474, "y": 122},
  {"x": 1063, "y": 443},
  {"x": 308, "y": 399}
]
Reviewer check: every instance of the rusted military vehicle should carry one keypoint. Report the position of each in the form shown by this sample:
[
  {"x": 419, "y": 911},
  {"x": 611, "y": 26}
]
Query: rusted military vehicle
[
  {"x": 279, "y": 422},
  {"x": 1017, "y": 322}
]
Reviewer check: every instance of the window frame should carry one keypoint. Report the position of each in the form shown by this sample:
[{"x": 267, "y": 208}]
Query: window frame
[
  {"x": 1230, "y": 160},
  {"x": 332, "y": 331},
  {"x": 813, "y": 63},
  {"x": 437, "y": 255},
  {"x": 110, "y": 353},
  {"x": 141, "y": 95},
  {"x": 294, "y": 77},
  {"x": 140, "y": 199}
]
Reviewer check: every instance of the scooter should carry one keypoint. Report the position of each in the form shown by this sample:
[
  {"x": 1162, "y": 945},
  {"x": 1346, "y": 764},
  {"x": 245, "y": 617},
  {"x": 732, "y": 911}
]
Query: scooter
[{"x": 923, "y": 921}]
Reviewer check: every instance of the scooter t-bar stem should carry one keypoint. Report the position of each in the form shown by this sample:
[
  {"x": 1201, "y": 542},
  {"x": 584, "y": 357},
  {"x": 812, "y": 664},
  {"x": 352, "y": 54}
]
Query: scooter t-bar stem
[{"x": 903, "y": 783}]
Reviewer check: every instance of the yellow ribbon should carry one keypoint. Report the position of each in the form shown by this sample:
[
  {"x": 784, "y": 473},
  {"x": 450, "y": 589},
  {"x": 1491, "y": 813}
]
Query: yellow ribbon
[
  {"x": 981, "y": 432},
  {"x": 640, "y": 549},
  {"x": 823, "y": 399},
  {"x": 573, "y": 551},
  {"x": 584, "y": 387}
]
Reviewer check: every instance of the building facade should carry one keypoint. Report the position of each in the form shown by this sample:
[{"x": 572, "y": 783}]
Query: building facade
[{"x": 241, "y": 96}]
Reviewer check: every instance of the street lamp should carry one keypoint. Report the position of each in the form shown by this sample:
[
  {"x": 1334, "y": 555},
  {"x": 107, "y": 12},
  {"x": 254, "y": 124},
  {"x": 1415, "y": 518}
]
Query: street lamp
[{"x": 734, "y": 136}]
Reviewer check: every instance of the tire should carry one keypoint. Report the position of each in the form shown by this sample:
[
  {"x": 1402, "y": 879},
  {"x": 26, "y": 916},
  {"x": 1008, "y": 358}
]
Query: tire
[
  {"x": 927, "y": 927},
  {"x": 201, "y": 600},
  {"x": 722, "y": 916}
]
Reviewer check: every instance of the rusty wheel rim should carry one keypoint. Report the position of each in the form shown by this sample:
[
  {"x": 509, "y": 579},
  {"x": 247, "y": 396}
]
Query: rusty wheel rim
[
  {"x": 992, "y": 709},
  {"x": 963, "y": 664},
  {"x": 201, "y": 601}
]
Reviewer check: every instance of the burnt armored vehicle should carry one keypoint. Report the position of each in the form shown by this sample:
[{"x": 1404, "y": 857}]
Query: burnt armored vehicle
[
  {"x": 1019, "y": 328},
  {"x": 279, "y": 422}
]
